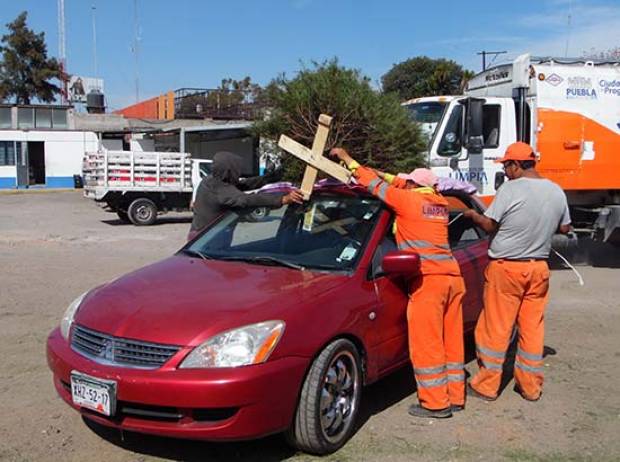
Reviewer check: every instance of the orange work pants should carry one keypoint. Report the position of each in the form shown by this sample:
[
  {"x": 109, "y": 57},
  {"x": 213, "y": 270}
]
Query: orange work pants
[
  {"x": 514, "y": 291},
  {"x": 435, "y": 318}
]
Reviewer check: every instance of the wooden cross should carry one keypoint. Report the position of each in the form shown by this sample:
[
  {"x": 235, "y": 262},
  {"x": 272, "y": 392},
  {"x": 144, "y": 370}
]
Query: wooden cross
[{"x": 314, "y": 157}]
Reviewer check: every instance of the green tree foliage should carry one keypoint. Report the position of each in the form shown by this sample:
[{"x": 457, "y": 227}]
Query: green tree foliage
[
  {"x": 25, "y": 69},
  {"x": 372, "y": 126},
  {"x": 424, "y": 76}
]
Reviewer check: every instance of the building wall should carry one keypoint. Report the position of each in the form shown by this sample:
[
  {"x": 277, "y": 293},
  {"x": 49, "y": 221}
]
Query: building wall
[
  {"x": 147, "y": 109},
  {"x": 63, "y": 151}
]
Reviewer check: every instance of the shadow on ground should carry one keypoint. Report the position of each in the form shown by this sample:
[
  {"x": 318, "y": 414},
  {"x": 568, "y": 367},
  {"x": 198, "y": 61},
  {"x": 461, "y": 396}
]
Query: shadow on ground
[
  {"x": 160, "y": 221},
  {"x": 376, "y": 398}
]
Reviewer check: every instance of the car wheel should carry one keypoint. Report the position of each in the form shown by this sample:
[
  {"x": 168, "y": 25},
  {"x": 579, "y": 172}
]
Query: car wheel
[
  {"x": 258, "y": 214},
  {"x": 123, "y": 216},
  {"x": 329, "y": 400},
  {"x": 142, "y": 212}
]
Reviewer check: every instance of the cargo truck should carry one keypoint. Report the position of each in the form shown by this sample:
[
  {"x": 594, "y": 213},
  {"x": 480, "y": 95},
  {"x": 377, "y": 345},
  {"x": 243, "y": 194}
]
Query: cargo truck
[
  {"x": 139, "y": 185},
  {"x": 567, "y": 109}
]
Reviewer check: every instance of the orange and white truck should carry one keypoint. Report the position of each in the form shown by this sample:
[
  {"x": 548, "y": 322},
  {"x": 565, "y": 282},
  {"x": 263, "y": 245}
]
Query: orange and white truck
[{"x": 567, "y": 109}]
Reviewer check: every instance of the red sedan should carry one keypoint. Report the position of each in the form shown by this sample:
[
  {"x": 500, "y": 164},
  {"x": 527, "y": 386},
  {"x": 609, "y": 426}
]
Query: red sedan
[{"x": 257, "y": 326}]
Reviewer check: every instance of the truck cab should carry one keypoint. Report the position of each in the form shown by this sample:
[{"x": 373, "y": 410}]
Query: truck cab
[
  {"x": 565, "y": 108},
  {"x": 444, "y": 121}
]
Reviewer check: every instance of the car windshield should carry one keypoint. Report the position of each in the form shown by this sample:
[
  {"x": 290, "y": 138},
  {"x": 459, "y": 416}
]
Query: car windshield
[
  {"x": 428, "y": 115},
  {"x": 328, "y": 232}
]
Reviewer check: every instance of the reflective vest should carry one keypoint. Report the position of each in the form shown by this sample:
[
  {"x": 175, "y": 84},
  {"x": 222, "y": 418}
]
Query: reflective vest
[{"x": 421, "y": 222}]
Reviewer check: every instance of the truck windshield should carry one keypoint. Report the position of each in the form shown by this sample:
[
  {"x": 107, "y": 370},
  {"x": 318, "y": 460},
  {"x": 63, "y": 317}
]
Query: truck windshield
[
  {"x": 428, "y": 114},
  {"x": 328, "y": 232}
]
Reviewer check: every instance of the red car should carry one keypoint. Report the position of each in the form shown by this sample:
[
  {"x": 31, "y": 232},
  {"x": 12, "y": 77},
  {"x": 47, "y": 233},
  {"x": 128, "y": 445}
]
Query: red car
[{"x": 255, "y": 326}]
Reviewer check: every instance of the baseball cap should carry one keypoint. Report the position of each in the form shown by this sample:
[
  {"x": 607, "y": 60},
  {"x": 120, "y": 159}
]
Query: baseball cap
[
  {"x": 517, "y": 151},
  {"x": 421, "y": 176}
]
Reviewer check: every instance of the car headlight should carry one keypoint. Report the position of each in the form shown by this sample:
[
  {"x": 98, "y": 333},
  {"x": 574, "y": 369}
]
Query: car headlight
[
  {"x": 67, "y": 318},
  {"x": 243, "y": 346}
]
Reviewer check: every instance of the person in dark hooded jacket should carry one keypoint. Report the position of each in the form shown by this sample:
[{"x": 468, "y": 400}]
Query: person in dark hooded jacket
[{"x": 223, "y": 190}]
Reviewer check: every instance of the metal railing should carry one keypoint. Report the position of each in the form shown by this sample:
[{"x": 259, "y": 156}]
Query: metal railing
[{"x": 216, "y": 103}]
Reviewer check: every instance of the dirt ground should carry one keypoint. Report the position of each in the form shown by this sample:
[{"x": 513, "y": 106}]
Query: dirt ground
[{"x": 54, "y": 246}]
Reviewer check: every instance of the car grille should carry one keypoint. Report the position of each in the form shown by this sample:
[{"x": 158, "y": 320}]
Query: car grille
[{"x": 107, "y": 349}]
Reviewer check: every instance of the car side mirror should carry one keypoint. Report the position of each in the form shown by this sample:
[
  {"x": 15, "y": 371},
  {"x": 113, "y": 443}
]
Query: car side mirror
[{"x": 401, "y": 263}]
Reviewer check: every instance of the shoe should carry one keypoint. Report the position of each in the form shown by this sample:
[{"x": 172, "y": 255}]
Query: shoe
[
  {"x": 457, "y": 407},
  {"x": 475, "y": 394},
  {"x": 525, "y": 397},
  {"x": 418, "y": 411}
]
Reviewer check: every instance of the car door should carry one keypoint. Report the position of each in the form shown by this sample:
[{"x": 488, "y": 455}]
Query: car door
[
  {"x": 469, "y": 245},
  {"x": 390, "y": 331}
]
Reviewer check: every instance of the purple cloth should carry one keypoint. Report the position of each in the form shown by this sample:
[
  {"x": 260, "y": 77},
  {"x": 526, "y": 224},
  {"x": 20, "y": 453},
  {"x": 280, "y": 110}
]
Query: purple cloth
[{"x": 455, "y": 185}]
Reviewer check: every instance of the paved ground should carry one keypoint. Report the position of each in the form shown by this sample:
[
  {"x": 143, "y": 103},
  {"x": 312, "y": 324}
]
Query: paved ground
[{"x": 55, "y": 246}]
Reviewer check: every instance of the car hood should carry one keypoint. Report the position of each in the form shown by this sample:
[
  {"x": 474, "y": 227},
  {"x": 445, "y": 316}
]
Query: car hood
[{"x": 184, "y": 301}]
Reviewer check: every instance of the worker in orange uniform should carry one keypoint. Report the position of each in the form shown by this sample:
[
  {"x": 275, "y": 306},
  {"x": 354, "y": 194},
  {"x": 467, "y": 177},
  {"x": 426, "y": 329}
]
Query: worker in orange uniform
[
  {"x": 434, "y": 312},
  {"x": 526, "y": 212}
]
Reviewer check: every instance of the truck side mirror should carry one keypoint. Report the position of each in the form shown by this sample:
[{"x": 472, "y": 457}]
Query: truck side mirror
[
  {"x": 474, "y": 141},
  {"x": 499, "y": 179}
]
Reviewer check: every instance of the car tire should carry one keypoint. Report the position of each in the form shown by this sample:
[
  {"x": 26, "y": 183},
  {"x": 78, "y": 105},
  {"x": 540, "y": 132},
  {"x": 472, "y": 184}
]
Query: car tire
[
  {"x": 329, "y": 400},
  {"x": 258, "y": 214},
  {"x": 123, "y": 216},
  {"x": 142, "y": 212}
]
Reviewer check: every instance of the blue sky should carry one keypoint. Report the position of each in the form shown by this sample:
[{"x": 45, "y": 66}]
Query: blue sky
[{"x": 196, "y": 43}]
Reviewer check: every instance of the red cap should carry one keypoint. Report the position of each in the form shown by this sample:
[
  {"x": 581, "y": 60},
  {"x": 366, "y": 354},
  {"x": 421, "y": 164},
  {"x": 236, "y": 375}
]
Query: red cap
[{"x": 518, "y": 151}]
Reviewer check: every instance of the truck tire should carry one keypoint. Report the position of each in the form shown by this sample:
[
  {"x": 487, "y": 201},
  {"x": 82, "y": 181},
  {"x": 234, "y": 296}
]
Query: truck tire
[
  {"x": 329, "y": 400},
  {"x": 142, "y": 212},
  {"x": 123, "y": 216}
]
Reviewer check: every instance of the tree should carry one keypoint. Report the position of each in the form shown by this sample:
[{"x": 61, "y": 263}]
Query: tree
[
  {"x": 612, "y": 54},
  {"x": 424, "y": 76},
  {"x": 372, "y": 126},
  {"x": 25, "y": 69}
]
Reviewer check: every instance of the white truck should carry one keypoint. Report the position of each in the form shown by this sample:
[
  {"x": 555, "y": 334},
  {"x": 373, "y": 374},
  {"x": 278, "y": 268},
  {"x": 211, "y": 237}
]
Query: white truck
[
  {"x": 139, "y": 185},
  {"x": 567, "y": 109}
]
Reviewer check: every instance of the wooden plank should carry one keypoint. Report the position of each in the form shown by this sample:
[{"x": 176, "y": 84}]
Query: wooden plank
[{"x": 333, "y": 169}]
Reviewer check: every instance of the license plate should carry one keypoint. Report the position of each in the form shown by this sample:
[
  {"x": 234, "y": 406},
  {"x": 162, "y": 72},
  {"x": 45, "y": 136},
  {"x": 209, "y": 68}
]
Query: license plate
[{"x": 92, "y": 393}]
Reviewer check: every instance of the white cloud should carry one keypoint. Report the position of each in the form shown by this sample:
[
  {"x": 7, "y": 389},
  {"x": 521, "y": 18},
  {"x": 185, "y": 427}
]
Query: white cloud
[{"x": 592, "y": 26}]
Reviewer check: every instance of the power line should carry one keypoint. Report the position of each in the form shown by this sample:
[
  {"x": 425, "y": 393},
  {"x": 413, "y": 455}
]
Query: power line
[{"x": 484, "y": 54}]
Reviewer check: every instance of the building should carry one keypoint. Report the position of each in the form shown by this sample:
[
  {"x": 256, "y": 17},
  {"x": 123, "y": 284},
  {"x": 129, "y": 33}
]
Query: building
[{"x": 40, "y": 147}]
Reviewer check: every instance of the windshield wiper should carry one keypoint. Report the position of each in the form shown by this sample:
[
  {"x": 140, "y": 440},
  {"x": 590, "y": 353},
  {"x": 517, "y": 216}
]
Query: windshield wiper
[
  {"x": 263, "y": 260},
  {"x": 196, "y": 253}
]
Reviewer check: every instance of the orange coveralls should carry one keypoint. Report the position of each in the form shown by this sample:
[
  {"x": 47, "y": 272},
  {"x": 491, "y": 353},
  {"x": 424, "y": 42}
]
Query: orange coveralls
[
  {"x": 434, "y": 312},
  {"x": 513, "y": 291}
]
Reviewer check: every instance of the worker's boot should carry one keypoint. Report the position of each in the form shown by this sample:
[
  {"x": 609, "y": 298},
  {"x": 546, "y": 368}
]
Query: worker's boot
[
  {"x": 457, "y": 407},
  {"x": 525, "y": 397},
  {"x": 472, "y": 392},
  {"x": 418, "y": 411}
]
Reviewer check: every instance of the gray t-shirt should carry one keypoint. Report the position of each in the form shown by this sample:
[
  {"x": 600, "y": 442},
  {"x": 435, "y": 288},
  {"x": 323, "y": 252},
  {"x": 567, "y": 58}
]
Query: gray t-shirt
[{"x": 528, "y": 211}]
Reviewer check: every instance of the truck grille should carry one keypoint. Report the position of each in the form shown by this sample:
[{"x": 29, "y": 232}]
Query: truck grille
[{"x": 107, "y": 349}]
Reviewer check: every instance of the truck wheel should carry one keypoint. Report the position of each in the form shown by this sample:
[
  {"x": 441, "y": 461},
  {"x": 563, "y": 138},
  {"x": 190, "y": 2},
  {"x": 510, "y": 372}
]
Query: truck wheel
[
  {"x": 142, "y": 212},
  {"x": 329, "y": 401},
  {"x": 123, "y": 216}
]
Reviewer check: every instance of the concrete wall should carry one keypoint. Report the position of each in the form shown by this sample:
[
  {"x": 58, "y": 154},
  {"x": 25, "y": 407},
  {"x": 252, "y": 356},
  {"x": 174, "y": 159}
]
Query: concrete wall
[{"x": 63, "y": 150}]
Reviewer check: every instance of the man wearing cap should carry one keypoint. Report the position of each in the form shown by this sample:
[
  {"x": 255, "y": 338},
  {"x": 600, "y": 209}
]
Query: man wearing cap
[
  {"x": 526, "y": 212},
  {"x": 434, "y": 312}
]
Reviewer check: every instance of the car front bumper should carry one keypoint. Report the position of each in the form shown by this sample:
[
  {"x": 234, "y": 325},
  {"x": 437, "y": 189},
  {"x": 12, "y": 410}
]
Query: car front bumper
[{"x": 211, "y": 404}]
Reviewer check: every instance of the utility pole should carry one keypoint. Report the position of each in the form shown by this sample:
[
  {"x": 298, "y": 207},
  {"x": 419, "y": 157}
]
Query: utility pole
[
  {"x": 62, "y": 53},
  {"x": 94, "y": 9},
  {"x": 135, "y": 46},
  {"x": 484, "y": 54}
]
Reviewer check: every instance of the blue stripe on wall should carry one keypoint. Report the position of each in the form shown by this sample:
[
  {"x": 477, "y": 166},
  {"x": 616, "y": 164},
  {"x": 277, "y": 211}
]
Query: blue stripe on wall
[
  {"x": 7, "y": 182},
  {"x": 59, "y": 181}
]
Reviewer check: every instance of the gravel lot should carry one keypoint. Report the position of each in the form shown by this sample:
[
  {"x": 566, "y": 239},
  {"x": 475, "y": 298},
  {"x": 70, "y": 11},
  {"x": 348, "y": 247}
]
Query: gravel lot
[{"x": 54, "y": 246}]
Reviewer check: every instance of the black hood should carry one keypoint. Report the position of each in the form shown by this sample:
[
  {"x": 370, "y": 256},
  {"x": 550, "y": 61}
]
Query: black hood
[{"x": 226, "y": 167}]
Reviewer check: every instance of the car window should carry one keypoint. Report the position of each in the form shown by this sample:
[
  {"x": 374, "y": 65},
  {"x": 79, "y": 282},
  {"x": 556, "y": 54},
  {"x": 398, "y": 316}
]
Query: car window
[
  {"x": 461, "y": 230},
  {"x": 387, "y": 244}
]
